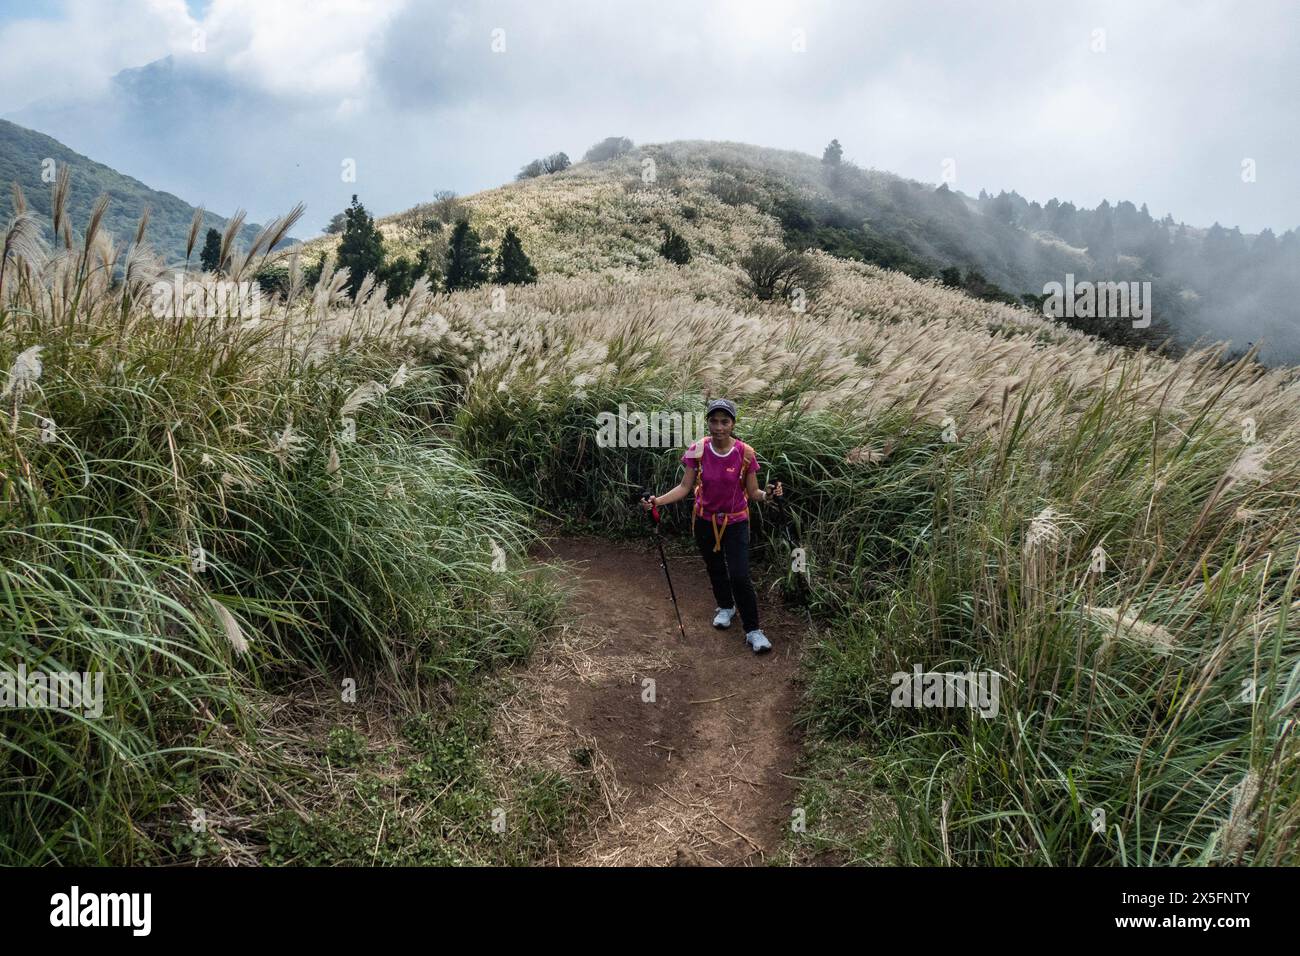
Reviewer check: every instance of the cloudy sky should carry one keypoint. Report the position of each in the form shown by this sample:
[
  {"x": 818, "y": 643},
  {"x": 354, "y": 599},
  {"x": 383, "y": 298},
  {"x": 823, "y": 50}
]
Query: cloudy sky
[{"x": 1159, "y": 102}]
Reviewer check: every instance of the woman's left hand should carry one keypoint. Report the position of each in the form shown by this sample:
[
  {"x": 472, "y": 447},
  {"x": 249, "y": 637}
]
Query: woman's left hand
[{"x": 773, "y": 491}]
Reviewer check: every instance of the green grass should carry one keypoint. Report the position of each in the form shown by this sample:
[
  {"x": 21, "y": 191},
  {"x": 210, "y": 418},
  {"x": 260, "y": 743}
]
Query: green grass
[
  {"x": 198, "y": 493},
  {"x": 436, "y": 796},
  {"x": 1157, "y": 742},
  {"x": 162, "y": 530},
  {"x": 925, "y": 558}
]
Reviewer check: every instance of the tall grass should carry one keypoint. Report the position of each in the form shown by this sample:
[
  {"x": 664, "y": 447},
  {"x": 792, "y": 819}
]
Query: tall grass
[
  {"x": 952, "y": 469},
  {"x": 185, "y": 512},
  {"x": 1123, "y": 690},
  {"x": 1139, "y": 702}
]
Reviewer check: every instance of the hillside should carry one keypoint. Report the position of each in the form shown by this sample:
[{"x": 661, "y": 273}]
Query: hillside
[
  {"x": 22, "y": 153},
  {"x": 1207, "y": 284},
  {"x": 970, "y": 489},
  {"x": 723, "y": 195}
]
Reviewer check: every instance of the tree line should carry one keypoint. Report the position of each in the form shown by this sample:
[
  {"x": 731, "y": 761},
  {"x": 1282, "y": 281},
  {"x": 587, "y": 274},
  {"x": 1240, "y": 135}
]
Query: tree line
[{"x": 466, "y": 263}]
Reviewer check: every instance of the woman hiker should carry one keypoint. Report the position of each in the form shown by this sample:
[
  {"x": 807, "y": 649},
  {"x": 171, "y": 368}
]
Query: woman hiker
[{"x": 722, "y": 472}]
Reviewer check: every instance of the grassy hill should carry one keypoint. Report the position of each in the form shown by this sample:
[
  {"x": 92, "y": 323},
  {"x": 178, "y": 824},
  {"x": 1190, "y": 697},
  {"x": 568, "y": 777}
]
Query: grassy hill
[
  {"x": 975, "y": 489},
  {"x": 719, "y": 194},
  {"x": 22, "y": 153},
  {"x": 1207, "y": 284}
]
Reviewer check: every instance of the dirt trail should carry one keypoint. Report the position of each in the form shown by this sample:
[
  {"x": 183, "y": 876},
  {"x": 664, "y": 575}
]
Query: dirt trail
[{"x": 696, "y": 776}]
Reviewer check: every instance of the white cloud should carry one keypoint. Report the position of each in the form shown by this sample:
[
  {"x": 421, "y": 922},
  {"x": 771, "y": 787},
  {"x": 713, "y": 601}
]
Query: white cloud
[
  {"x": 1012, "y": 91},
  {"x": 79, "y": 50},
  {"x": 299, "y": 48}
]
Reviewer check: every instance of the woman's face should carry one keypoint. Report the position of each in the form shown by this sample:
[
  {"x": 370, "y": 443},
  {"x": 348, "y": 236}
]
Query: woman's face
[{"x": 720, "y": 425}]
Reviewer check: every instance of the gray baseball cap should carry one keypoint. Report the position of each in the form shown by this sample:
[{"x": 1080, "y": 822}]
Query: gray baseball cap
[{"x": 721, "y": 405}]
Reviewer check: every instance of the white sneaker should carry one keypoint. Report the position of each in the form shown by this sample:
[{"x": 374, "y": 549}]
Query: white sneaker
[
  {"x": 723, "y": 617},
  {"x": 758, "y": 641}
]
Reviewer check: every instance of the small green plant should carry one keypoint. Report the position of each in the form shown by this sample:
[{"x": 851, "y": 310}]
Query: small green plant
[{"x": 345, "y": 746}]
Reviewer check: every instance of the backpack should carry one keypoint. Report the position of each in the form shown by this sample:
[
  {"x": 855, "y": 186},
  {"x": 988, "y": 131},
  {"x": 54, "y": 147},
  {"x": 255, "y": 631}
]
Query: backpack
[{"x": 747, "y": 460}]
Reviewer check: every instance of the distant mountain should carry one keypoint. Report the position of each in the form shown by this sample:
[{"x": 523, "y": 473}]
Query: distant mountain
[
  {"x": 23, "y": 153},
  {"x": 187, "y": 125}
]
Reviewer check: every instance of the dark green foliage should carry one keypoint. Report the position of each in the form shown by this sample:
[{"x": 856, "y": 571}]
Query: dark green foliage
[
  {"x": 400, "y": 276},
  {"x": 825, "y": 225},
  {"x": 512, "y": 264},
  {"x": 773, "y": 272},
  {"x": 675, "y": 248},
  {"x": 833, "y": 153},
  {"x": 467, "y": 260},
  {"x": 976, "y": 286},
  {"x": 272, "y": 280},
  {"x": 361, "y": 250},
  {"x": 311, "y": 272},
  {"x": 426, "y": 264},
  {"x": 210, "y": 257}
]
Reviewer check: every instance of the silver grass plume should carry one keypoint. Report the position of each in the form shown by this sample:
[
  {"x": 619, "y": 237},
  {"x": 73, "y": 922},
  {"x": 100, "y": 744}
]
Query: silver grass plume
[
  {"x": 1235, "y": 834},
  {"x": 229, "y": 626},
  {"x": 273, "y": 233},
  {"x": 233, "y": 225},
  {"x": 96, "y": 220},
  {"x": 363, "y": 394},
  {"x": 59, "y": 198},
  {"x": 1132, "y": 628},
  {"x": 295, "y": 275},
  {"x": 23, "y": 375},
  {"x": 141, "y": 226},
  {"x": 23, "y": 242},
  {"x": 192, "y": 237}
]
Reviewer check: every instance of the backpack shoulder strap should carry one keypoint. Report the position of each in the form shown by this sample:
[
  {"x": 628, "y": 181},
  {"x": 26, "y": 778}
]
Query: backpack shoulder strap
[{"x": 747, "y": 458}]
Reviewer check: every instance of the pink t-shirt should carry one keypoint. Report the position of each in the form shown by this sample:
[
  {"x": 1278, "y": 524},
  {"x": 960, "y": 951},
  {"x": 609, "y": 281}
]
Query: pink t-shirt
[{"x": 721, "y": 489}]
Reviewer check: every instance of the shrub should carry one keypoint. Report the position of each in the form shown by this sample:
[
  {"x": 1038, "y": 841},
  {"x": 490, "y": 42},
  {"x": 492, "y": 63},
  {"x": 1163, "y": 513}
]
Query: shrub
[
  {"x": 556, "y": 162},
  {"x": 675, "y": 248},
  {"x": 609, "y": 148},
  {"x": 775, "y": 272}
]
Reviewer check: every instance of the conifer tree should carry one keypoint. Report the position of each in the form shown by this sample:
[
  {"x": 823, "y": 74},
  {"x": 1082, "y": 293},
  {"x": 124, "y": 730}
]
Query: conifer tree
[
  {"x": 361, "y": 249},
  {"x": 210, "y": 257},
  {"x": 512, "y": 264},
  {"x": 467, "y": 260}
]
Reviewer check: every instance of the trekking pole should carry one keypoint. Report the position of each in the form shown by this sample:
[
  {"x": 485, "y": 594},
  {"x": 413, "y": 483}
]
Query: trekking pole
[
  {"x": 654, "y": 518},
  {"x": 782, "y": 507}
]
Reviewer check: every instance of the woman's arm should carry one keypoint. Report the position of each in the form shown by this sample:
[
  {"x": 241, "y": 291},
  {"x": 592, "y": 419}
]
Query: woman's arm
[{"x": 677, "y": 494}]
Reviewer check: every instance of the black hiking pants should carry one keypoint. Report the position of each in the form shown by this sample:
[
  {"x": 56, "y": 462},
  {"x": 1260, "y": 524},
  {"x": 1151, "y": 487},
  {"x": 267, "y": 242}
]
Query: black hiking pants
[{"x": 729, "y": 569}]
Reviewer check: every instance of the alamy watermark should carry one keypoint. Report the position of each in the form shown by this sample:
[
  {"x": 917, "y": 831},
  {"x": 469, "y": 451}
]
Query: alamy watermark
[
  {"x": 189, "y": 297},
  {"x": 978, "y": 690},
  {"x": 659, "y": 429},
  {"x": 1099, "y": 300},
  {"x": 52, "y": 690},
  {"x": 130, "y": 910}
]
